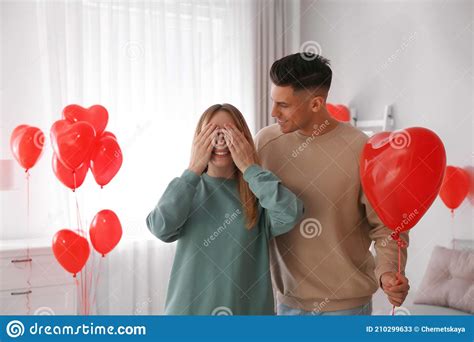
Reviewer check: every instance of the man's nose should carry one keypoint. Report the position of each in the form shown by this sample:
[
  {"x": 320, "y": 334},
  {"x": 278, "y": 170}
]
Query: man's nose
[{"x": 274, "y": 112}]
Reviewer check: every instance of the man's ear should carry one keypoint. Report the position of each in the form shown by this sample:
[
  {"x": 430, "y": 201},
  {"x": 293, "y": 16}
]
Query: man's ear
[{"x": 317, "y": 103}]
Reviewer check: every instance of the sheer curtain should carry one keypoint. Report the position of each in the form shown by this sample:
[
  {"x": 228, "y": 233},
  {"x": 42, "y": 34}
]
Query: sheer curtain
[{"x": 156, "y": 66}]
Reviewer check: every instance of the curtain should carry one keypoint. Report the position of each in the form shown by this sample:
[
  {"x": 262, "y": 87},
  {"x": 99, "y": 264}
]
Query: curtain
[{"x": 277, "y": 35}]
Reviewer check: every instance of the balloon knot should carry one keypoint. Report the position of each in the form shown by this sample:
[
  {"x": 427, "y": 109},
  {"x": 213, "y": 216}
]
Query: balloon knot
[{"x": 400, "y": 242}]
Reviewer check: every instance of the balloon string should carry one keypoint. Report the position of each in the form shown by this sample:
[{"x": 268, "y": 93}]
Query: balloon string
[
  {"x": 97, "y": 282},
  {"x": 81, "y": 233},
  {"x": 94, "y": 283},
  {"x": 78, "y": 214},
  {"x": 399, "y": 271},
  {"x": 27, "y": 176},
  {"x": 82, "y": 295},
  {"x": 452, "y": 228},
  {"x": 87, "y": 294},
  {"x": 93, "y": 287},
  {"x": 89, "y": 283},
  {"x": 86, "y": 306},
  {"x": 78, "y": 290},
  {"x": 81, "y": 289},
  {"x": 83, "y": 278},
  {"x": 400, "y": 244}
]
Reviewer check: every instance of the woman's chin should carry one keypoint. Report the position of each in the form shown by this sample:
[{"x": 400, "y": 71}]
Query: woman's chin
[{"x": 221, "y": 161}]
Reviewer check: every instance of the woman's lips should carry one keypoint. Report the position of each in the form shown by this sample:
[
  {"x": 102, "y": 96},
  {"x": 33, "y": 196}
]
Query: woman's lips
[{"x": 221, "y": 152}]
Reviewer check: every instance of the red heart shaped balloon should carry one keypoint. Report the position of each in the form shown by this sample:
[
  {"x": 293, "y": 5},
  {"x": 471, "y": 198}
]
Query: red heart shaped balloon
[
  {"x": 105, "y": 231},
  {"x": 96, "y": 115},
  {"x": 72, "y": 143},
  {"x": 108, "y": 134},
  {"x": 106, "y": 160},
  {"x": 66, "y": 176},
  {"x": 71, "y": 250},
  {"x": 455, "y": 187},
  {"x": 401, "y": 174},
  {"x": 26, "y": 144},
  {"x": 339, "y": 112}
]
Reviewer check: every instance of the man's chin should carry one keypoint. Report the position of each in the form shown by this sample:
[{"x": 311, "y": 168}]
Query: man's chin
[{"x": 286, "y": 128}]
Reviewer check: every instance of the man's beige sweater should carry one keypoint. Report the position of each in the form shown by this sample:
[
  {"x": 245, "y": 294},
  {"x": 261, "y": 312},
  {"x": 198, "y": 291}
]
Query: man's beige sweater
[{"x": 324, "y": 262}]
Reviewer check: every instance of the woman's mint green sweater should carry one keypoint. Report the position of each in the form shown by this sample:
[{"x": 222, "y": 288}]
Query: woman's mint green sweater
[{"x": 220, "y": 266}]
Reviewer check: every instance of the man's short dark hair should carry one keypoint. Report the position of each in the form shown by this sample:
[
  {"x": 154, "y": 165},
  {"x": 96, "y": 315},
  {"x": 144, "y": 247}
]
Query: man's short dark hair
[{"x": 304, "y": 70}]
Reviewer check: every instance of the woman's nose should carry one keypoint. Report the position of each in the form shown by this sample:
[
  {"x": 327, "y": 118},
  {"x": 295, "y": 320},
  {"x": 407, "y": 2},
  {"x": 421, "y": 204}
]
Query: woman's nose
[{"x": 219, "y": 140}]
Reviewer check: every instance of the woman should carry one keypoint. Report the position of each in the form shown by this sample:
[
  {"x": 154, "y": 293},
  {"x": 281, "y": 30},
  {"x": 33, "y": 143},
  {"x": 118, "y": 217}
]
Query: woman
[{"x": 223, "y": 211}]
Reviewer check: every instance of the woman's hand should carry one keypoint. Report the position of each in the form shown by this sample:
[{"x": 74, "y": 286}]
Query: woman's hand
[
  {"x": 242, "y": 152},
  {"x": 202, "y": 149}
]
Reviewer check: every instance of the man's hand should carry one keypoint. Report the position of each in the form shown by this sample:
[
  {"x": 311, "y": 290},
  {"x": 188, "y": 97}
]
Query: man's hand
[{"x": 395, "y": 287}]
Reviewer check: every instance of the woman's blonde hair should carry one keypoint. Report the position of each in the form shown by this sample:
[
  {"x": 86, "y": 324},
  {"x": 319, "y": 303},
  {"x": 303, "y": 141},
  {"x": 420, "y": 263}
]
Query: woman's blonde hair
[{"x": 247, "y": 198}]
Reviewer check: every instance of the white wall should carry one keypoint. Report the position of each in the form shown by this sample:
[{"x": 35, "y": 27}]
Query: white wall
[{"x": 416, "y": 55}]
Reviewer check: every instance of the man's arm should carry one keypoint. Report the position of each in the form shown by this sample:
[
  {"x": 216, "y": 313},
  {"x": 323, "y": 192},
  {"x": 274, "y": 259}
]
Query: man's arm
[{"x": 386, "y": 259}]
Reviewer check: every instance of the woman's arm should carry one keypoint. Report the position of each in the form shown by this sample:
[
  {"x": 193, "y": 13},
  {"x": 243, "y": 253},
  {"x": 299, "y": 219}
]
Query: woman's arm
[
  {"x": 167, "y": 219},
  {"x": 282, "y": 207}
]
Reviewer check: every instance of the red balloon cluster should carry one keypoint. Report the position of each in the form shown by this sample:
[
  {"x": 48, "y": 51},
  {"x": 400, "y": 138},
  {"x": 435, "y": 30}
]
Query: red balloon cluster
[
  {"x": 339, "y": 112},
  {"x": 72, "y": 249},
  {"x": 401, "y": 174},
  {"x": 80, "y": 142},
  {"x": 455, "y": 187}
]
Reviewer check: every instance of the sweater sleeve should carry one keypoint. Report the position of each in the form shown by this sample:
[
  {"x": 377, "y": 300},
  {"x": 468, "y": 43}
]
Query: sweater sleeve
[
  {"x": 386, "y": 249},
  {"x": 167, "y": 219},
  {"x": 282, "y": 208}
]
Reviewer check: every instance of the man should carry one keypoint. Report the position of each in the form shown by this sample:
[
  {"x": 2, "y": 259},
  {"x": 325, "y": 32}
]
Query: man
[{"x": 324, "y": 265}]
